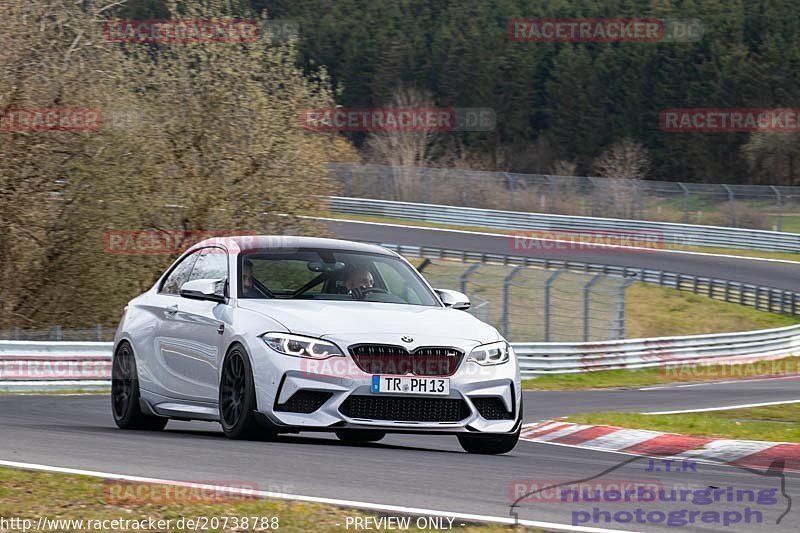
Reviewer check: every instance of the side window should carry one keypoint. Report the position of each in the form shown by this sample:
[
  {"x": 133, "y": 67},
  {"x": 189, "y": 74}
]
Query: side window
[
  {"x": 179, "y": 274},
  {"x": 212, "y": 264}
]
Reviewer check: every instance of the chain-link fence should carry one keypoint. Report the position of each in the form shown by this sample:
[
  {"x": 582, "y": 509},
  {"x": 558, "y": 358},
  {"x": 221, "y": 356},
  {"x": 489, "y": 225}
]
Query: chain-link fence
[
  {"x": 528, "y": 304},
  {"x": 744, "y": 206}
]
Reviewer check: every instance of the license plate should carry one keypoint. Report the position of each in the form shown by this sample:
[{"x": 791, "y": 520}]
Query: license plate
[{"x": 410, "y": 385}]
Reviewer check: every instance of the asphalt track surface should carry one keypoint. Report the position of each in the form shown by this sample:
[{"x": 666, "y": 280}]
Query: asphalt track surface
[
  {"x": 429, "y": 472},
  {"x": 780, "y": 275}
]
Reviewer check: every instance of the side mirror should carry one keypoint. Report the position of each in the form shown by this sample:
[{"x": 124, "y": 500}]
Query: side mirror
[
  {"x": 453, "y": 299},
  {"x": 204, "y": 289}
]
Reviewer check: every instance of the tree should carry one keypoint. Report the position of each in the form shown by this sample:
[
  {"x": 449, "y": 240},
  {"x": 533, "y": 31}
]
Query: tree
[
  {"x": 403, "y": 150},
  {"x": 203, "y": 136},
  {"x": 624, "y": 166},
  {"x": 773, "y": 157}
]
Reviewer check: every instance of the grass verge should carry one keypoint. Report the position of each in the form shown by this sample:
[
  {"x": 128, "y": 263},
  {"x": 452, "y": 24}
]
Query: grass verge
[
  {"x": 31, "y": 495},
  {"x": 664, "y": 376},
  {"x": 654, "y": 311},
  {"x": 775, "y": 423}
]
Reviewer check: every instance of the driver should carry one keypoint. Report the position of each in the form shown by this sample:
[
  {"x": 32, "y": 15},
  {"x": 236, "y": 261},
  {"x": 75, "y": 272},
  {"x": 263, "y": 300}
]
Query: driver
[
  {"x": 360, "y": 278},
  {"x": 357, "y": 282}
]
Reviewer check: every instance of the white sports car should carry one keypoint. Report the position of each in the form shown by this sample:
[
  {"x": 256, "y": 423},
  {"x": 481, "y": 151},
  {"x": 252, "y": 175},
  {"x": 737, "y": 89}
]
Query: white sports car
[{"x": 269, "y": 335}]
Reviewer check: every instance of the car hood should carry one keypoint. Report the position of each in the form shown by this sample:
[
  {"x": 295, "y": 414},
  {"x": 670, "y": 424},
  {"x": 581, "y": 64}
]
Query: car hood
[{"x": 319, "y": 318}]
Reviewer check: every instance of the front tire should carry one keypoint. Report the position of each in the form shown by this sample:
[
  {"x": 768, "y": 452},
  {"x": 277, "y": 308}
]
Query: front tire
[
  {"x": 489, "y": 444},
  {"x": 125, "y": 393},
  {"x": 237, "y": 397}
]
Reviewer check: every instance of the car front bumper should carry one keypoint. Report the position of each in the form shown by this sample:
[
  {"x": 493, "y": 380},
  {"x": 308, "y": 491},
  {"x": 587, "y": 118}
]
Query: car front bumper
[{"x": 281, "y": 379}]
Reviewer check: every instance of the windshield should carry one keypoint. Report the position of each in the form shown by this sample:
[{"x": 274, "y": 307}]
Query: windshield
[{"x": 331, "y": 275}]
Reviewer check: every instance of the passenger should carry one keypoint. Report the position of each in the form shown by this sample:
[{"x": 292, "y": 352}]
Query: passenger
[{"x": 249, "y": 289}]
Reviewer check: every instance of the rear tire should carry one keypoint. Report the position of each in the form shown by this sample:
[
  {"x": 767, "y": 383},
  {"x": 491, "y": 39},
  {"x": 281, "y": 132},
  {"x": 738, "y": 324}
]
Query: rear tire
[
  {"x": 125, "y": 393},
  {"x": 489, "y": 444},
  {"x": 360, "y": 435},
  {"x": 237, "y": 397}
]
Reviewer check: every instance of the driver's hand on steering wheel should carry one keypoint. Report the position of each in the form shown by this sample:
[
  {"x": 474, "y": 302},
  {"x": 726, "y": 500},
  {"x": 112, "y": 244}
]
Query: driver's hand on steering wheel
[{"x": 358, "y": 293}]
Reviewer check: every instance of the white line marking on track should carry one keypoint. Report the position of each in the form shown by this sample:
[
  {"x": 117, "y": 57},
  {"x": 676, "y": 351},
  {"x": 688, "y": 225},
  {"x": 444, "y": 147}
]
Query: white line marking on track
[
  {"x": 711, "y": 383},
  {"x": 504, "y": 235},
  {"x": 311, "y": 499},
  {"x": 724, "y": 408}
]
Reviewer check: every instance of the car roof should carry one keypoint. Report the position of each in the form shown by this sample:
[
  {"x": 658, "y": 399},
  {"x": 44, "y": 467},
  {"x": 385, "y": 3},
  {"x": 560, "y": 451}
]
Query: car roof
[{"x": 290, "y": 242}]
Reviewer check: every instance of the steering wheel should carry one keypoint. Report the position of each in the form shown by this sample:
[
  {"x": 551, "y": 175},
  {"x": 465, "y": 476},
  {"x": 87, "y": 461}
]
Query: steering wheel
[{"x": 359, "y": 293}]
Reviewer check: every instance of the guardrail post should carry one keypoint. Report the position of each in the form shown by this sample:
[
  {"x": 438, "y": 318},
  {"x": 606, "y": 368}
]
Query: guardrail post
[
  {"x": 731, "y": 207},
  {"x": 98, "y": 328},
  {"x": 595, "y": 192},
  {"x": 547, "y": 286},
  {"x": 468, "y": 188},
  {"x": 426, "y": 185},
  {"x": 510, "y": 185},
  {"x": 465, "y": 276},
  {"x": 506, "y": 284},
  {"x": 56, "y": 333},
  {"x": 386, "y": 194},
  {"x": 621, "y": 306},
  {"x": 779, "y": 205},
  {"x": 347, "y": 180},
  {"x": 685, "y": 190},
  {"x": 14, "y": 333},
  {"x": 587, "y": 289}
]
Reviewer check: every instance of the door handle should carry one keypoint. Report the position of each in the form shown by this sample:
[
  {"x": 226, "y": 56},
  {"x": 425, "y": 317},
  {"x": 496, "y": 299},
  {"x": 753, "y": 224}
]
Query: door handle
[{"x": 172, "y": 309}]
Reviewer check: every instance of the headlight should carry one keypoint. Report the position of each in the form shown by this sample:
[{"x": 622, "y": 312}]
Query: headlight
[
  {"x": 301, "y": 346},
  {"x": 495, "y": 353}
]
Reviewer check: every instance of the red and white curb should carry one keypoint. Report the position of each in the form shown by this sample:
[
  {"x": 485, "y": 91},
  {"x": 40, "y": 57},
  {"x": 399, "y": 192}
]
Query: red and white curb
[{"x": 745, "y": 453}]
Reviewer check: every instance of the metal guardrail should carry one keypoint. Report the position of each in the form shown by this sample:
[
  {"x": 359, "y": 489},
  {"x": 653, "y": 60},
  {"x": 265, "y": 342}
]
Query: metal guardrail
[
  {"x": 52, "y": 365},
  {"x": 759, "y": 297},
  {"x": 668, "y": 352},
  {"x": 657, "y": 233}
]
